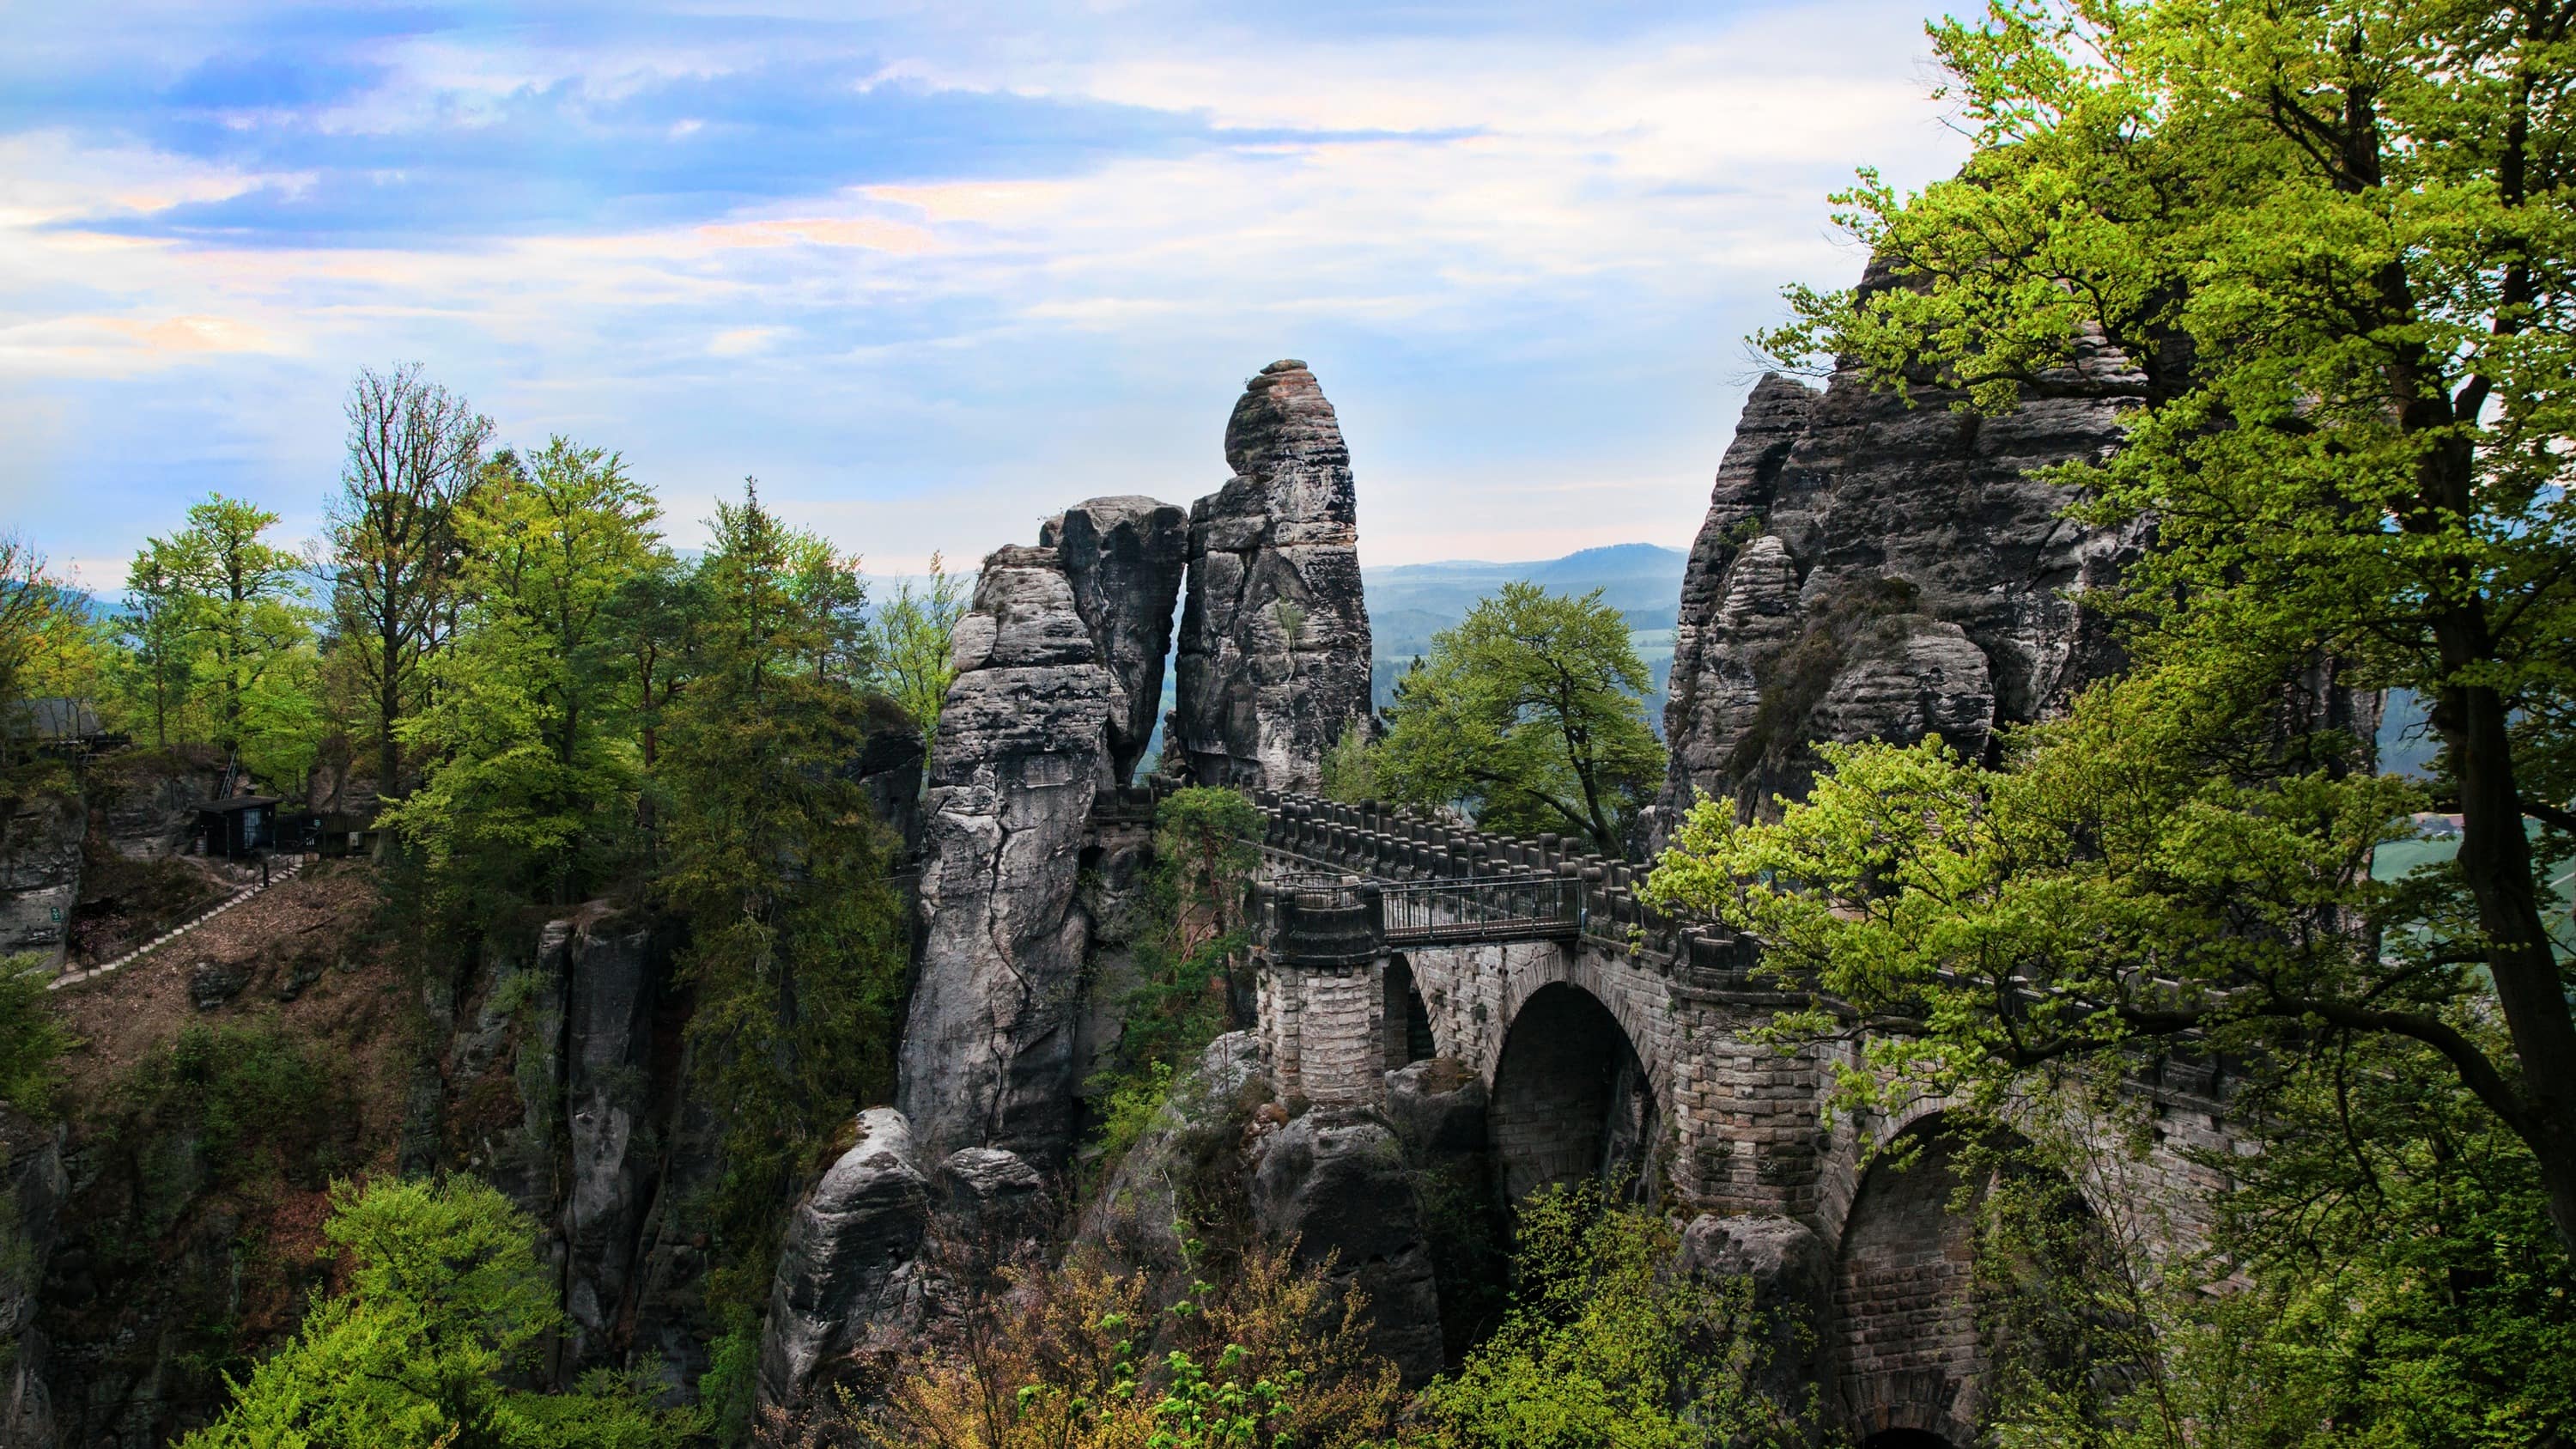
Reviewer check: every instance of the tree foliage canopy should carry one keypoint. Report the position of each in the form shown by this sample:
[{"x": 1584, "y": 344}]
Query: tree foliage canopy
[
  {"x": 1530, "y": 708},
  {"x": 2328, "y": 248}
]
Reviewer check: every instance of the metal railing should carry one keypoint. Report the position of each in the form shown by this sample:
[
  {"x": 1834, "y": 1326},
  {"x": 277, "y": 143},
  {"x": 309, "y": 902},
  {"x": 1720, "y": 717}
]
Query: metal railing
[{"x": 1526, "y": 907}]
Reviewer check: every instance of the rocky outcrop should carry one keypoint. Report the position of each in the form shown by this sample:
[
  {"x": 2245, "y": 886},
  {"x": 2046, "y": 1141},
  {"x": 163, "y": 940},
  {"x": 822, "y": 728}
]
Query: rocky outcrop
[
  {"x": 1022, "y": 752},
  {"x": 1274, "y": 646},
  {"x": 1124, "y": 558},
  {"x": 33, "y": 1186},
  {"x": 850, "y": 1266},
  {"x": 147, "y": 800},
  {"x": 1876, "y": 566},
  {"x": 1336, "y": 1180},
  {"x": 1193, "y": 1142},
  {"x": 40, "y": 873},
  {"x": 1791, "y": 1278},
  {"x": 609, "y": 994}
]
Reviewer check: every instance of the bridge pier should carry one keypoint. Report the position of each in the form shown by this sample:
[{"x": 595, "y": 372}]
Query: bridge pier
[{"x": 1320, "y": 973}]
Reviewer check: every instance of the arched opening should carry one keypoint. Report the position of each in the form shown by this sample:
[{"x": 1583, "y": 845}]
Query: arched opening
[
  {"x": 1571, "y": 1100},
  {"x": 1921, "y": 1323},
  {"x": 1904, "y": 1297},
  {"x": 1407, "y": 1020}
]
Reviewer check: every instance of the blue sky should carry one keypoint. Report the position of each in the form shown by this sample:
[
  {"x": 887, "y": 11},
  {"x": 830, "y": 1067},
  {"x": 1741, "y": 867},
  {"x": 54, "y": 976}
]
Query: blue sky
[{"x": 930, "y": 271}]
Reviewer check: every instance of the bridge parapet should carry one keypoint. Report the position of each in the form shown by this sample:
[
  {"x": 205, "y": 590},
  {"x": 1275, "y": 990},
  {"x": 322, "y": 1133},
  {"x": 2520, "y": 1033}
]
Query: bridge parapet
[{"x": 1401, "y": 848}]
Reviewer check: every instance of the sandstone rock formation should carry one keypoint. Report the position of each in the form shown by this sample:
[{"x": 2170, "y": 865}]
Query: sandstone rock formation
[
  {"x": 40, "y": 873},
  {"x": 1791, "y": 1276},
  {"x": 1336, "y": 1180},
  {"x": 1183, "y": 1151},
  {"x": 1124, "y": 558},
  {"x": 1871, "y": 569},
  {"x": 1022, "y": 753},
  {"x": 609, "y": 992},
  {"x": 849, "y": 1266},
  {"x": 1274, "y": 651},
  {"x": 33, "y": 1186}
]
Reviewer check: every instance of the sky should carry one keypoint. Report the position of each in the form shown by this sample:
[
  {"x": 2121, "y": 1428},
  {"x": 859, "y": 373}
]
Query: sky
[{"x": 930, "y": 271}]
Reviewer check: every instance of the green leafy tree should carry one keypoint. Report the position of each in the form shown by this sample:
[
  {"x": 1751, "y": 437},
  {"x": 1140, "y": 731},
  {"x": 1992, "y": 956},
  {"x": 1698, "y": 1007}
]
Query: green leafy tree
[
  {"x": 796, "y": 941},
  {"x": 32, "y": 606},
  {"x": 2328, "y": 247},
  {"x": 445, "y": 1300},
  {"x": 529, "y": 766},
  {"x": 245, "y": 609},
  {"x": 1605, "y": 1344},
  {"x": 415, "y": 450},
  {"x": 1529, "y": 708},
  {"x": 158, "y": 658},
  {"x": 914, "y": 631},
  {"x": 1350, "y": 768}
]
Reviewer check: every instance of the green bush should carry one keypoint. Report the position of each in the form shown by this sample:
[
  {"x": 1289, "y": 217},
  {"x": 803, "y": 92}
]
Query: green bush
[
  {"x": 32, "y": 1038},
  {"x": 1604, "y": 1344}
]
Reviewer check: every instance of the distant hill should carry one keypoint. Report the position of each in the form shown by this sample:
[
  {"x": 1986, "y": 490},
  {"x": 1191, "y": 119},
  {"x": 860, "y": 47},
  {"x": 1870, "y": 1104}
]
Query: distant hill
[{"x": 1408, "y": 603}]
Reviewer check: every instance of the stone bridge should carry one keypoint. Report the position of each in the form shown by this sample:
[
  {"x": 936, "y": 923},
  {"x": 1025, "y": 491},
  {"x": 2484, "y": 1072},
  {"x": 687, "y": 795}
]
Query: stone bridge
[{"x": 1614, "y": 1041}]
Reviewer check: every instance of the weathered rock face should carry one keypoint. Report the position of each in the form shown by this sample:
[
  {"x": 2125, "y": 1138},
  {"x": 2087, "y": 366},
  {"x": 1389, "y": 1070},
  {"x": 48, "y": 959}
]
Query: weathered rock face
[
  {"x": 1186, "y": 1150},
  {"x": 1873, "y": 570},
  {"x": 1791, "y": 1275},
  {"x": 1124, "y": 558},
  {"x": 609, "y": 995},
  {"x": 849, "y": 1266},
  {"x": 32, "y": 1188},
  {"x": 1022, "y": 752},
  {"x": 147, "y": 800},
  {"x": 1274, "y": 651},
  {"x": 40, "y": 872},
  {"x": 1337, "y": 1180}
]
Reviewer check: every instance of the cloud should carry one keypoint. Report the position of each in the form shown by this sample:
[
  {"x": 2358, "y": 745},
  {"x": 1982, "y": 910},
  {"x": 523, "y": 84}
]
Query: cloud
[{"x": 931, "y": 272}]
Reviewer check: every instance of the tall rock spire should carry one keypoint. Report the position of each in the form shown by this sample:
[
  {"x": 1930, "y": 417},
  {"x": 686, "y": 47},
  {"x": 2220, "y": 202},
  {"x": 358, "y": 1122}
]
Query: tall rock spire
[{"x": 1274, "y": 647}]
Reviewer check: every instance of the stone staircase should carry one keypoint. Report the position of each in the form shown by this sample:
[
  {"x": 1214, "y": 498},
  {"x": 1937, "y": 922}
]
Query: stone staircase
[{"x": 276, "y": 877}]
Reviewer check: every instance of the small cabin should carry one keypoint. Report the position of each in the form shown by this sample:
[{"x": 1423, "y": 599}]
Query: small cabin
[{"x": 243, "y": 825}]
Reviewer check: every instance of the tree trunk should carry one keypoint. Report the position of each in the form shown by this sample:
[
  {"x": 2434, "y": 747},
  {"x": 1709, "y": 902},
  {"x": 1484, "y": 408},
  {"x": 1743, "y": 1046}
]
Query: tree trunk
[{"x": 2495, "y": 861}]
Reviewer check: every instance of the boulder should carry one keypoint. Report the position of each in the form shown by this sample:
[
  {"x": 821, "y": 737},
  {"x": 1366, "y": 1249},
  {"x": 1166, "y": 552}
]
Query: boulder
[
  {"x": 988, "y": 1053},
  {"x": 1438, "y": 1108},
  {"x": 1273, "y": 659},
  {"x": 847, "y": 1272},
  {"x": 1124, "y": 558},
  {"x": 1336, "y": 1180},
  {"x": 1875, "y": 566},
  {"x": 1792, "y": 1281},
  {"x": 212, "y": 983}
]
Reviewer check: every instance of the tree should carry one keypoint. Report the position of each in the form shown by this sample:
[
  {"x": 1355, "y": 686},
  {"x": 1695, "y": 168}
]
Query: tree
[
  {"x": 1530, "y": 708},
  {"x": 2328, "y": 247},
  {"x": 415, "y": 451},
  {"x": 159, "y": 647},
  {"x": 32, "y": 601},
  {"x": 238, "y": 607},
  {"x": 914, "y": 631},
  {"x": 796, "y": 941},
  {"x": 526, "y": 764},
  {"x": 445, "y": 1298}
]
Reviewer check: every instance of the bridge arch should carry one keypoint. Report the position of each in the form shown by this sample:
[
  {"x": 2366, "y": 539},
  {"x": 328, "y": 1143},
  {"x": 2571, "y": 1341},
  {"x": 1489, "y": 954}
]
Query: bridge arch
[
  {"x": 1572, "y": 1099},
  {"x": 1914, "y": 1356},
  {"x": 1406, "y": 1021}
]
